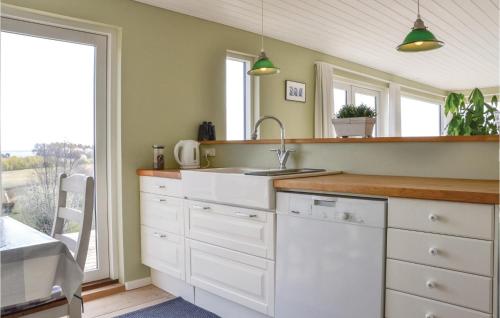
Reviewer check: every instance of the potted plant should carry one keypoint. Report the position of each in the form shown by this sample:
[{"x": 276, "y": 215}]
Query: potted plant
[
  {"x": 354, "y": 120},
  {"x": 472, "y": 115}
]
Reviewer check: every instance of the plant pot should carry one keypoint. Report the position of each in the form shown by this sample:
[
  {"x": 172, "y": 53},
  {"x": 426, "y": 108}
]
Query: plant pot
[{"x": 356, "y": 126}]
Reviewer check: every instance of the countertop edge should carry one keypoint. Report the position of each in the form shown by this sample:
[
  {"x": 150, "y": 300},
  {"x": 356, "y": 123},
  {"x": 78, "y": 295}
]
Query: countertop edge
[{"x": 168, "y": 173}]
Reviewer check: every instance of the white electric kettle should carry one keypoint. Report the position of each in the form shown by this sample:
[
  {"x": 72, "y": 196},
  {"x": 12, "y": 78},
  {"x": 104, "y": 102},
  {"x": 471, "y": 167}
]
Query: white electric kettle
[{"x": 187, "y": 154}]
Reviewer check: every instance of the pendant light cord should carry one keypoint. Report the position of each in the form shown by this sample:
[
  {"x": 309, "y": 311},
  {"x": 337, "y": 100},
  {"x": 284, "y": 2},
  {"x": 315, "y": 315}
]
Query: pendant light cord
[
  {"x": 418, "y": 8},
  {"x": 262, "y": 27}
]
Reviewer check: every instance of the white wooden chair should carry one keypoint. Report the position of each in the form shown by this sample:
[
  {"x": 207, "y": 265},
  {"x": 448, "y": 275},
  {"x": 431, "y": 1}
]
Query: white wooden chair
[{"x": 81, "y": 185}]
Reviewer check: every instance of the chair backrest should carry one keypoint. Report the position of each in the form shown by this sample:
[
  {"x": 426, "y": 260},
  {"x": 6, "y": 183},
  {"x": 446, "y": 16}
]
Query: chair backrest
[{"x": 83, "y": 185}]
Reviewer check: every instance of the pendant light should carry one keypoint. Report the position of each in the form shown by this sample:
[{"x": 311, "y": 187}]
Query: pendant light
[
  {"x": 263, "y": 66},
  {"x": 419, "y": 39}
]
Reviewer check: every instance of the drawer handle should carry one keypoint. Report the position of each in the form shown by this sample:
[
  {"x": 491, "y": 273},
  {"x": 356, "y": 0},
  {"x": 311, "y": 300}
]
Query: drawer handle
[
  {"x": 245, "y": 215},
  {"x": 429, "y": 315},
  {"x": 295, "y": 212},
  {"x": 199, "y": 207},
  {"x": 433, "y": 217},
  {"x": 160, "y": 235},
  {"x": 433, "y": 251},
  {"x": 430, "y": 284},
  {"x": 162, "y": 186},
  {"x": 162, "y": 200}
]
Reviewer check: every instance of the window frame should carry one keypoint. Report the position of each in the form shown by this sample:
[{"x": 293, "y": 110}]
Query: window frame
[
  {"x": 443, "y": 120},
  {"x": 353, "y": 86},
  {"x": 251, "y": 92}
]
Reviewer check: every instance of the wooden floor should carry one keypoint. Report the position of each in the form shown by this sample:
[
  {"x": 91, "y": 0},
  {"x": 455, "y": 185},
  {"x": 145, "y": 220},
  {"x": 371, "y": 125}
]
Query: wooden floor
[{"x": 125, "y": 302}]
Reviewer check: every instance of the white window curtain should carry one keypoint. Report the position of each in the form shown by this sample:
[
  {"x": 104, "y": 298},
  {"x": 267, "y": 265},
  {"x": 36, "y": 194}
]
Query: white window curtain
[{"x": 323, "y": 105}]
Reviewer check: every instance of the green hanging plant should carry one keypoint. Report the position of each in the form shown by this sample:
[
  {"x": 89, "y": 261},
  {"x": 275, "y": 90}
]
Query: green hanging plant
[{"x": 471, "y": 116}]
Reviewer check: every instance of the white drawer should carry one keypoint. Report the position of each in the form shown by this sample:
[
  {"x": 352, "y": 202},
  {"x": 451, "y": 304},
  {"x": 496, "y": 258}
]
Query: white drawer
[
  {"x": 457, "y": 288},
  {"x": 244, "y": 279},
  {"x": 245, "y": 230},
  {"x": 400, "y": 305},
  {"x": 162, "y": 212},
  {"x": 463, "y": 254},
  {"x": 163, "y": 251},
  {"x": 461, "y": 219},
  {"x": 163, "y": 186}
]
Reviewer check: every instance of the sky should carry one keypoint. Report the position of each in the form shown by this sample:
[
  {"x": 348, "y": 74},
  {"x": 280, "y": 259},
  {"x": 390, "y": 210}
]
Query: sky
[{"x": 47, "y": 92}]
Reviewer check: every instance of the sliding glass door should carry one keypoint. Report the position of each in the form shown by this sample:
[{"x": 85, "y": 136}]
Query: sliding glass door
[{"x": 53, "y": 120}]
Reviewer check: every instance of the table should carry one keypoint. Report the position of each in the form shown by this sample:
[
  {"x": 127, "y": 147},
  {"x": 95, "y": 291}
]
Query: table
[{"x": 32, "y": 263}]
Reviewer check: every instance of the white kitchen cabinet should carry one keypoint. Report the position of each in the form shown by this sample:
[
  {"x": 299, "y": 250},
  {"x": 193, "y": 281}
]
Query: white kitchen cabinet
[
  {"x": 162, "y": 212},
  {"x": 467, "y": 290},
  {"x": 441, "y": 259},
  {"x": 451, "y": 218},
  {"x": 241, "y": 278},
  {"x": 401, "y": 305},
  {"x": 162, "y": 186},
  {"x": 457, "y": 253},
  {"x": 245, "y": 230},
  {"x": 163, "y": 251}
]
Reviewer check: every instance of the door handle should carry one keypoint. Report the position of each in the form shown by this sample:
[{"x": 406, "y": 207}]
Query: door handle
[
  {"x": 160, "y": 235},
  {"x": 199, "y": 207},
  {"x": 245, "y": 215}
]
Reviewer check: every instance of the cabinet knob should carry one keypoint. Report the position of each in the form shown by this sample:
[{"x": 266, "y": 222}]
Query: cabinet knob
[
  {"x": 430, "y": 284},
  {"x": 433, "y": 251},
  {"x": 433, "y": 217},
  {"x": 430, "y": 315}
]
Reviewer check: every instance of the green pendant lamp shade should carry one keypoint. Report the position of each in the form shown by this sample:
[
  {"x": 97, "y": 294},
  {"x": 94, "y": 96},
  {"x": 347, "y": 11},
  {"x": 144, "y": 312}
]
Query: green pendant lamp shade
[
  {"x": 263, "y": 66},
  {"x": 419, "y": 39}
]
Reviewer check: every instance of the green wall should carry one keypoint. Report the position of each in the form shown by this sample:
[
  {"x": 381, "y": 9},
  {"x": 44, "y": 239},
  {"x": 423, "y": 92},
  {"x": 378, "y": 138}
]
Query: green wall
[
  {"x": 173, "y": 77},
  {"x": 468, "y": 160}
]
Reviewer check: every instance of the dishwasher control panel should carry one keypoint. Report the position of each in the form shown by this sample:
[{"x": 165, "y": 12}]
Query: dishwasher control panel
[{"x": 355, "y": 210}]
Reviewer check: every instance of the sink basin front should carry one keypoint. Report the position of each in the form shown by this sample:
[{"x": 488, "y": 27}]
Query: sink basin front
[
  {"x": 229, "y": 186},
  {"x": 246, "y": 187}
]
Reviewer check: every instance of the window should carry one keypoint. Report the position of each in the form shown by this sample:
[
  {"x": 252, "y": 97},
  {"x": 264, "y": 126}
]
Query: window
[
  {"x": 420, "y": 118},
  {"x": 344, "y": 94},
  {"x": 238, "y": 97},
  {"x": 53, "y": 107}
]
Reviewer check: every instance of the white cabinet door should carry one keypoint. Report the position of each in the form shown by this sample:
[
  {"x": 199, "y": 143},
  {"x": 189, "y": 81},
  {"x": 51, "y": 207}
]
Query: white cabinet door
[
  {"x": 456, "y": 288},
  {"x": 245, "y": 230},
  {"x": 451, "y": 252},
  {"x": 163, "y": 251},
  {"x": 244, "y": 279},
  {"x": 162, "y": 212},
  {"x": 453, "y": 218}
]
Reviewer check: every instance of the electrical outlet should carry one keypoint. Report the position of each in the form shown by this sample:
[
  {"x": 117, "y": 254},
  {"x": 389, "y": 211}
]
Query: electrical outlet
[{"x": 209, "y": 152}]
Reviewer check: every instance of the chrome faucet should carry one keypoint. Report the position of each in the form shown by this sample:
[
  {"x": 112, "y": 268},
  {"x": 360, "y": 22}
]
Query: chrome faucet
[{"x": 282, "y": 153}]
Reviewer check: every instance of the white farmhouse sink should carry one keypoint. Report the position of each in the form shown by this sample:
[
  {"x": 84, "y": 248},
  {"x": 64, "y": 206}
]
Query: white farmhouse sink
[{"x": 233, "y": 186}]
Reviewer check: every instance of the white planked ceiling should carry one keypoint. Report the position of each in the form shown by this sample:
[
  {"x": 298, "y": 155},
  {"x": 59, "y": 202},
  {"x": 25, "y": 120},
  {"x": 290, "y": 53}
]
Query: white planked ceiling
[{"x": 367, "y": 32}]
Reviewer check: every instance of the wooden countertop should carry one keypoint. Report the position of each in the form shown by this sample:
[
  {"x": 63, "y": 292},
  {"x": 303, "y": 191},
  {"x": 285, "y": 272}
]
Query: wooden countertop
[
  {"x": 168, "y": 173},
  {"x": 460, "y": 190},
  {"x": 492, "y": 138}
]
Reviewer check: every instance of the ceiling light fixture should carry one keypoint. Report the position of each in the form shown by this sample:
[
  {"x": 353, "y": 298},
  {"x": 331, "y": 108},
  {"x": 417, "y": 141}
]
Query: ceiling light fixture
[
  {"x": 419, "y": 39},
  {"x": 263, "y": 66}
]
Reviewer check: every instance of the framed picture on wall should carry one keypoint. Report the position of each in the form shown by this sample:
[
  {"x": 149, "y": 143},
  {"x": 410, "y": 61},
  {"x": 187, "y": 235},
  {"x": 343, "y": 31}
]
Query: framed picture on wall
[{"x": 295, "y": 91}]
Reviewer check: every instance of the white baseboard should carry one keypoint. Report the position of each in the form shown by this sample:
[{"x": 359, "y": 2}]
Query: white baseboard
[{"x": 133, "y": 284}]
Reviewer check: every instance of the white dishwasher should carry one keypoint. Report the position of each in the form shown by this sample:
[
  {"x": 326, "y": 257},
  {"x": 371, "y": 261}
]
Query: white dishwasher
[{"x": 330, "y": 256}]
